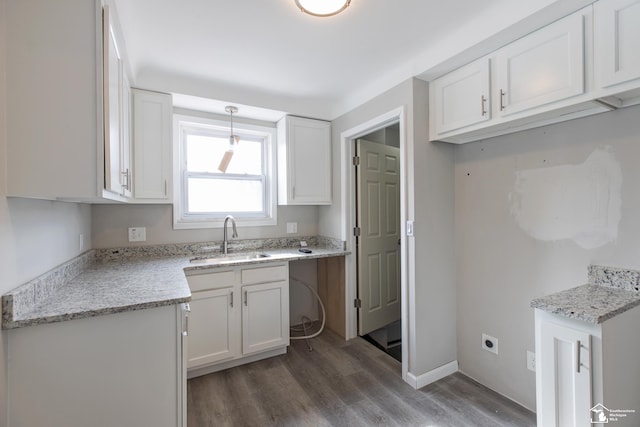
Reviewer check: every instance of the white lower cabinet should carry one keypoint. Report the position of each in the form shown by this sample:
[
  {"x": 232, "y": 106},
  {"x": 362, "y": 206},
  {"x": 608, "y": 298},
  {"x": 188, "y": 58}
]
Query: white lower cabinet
[
  {"x": 237, "y": 315},
  {"x": 587, "y": 373},
  {"x": 124, "y": 369}
]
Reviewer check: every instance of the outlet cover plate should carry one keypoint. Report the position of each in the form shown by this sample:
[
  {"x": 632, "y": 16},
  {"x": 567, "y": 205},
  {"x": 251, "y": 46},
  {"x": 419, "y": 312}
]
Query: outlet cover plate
[
  {"x": 531, "y": 361},
  {"x": 137, "y": 234},
  {"x": 490, "y": 343}
]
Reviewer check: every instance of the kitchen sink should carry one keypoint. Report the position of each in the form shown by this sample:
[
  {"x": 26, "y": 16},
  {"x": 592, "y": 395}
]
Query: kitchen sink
[{"x": 229, "y": 258}]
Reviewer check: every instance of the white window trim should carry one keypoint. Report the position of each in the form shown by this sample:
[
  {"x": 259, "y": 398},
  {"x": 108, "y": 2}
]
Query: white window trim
[{"x": 180, "y": 221}]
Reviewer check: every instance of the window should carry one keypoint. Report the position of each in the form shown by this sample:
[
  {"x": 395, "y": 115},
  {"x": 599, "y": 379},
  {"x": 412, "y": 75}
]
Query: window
[{"x": 207, "y": 191}]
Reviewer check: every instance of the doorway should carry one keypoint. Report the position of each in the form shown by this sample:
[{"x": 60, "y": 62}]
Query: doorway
[
  {"x": 377, "y": 193},
  {"x": 348, "y": 214}
]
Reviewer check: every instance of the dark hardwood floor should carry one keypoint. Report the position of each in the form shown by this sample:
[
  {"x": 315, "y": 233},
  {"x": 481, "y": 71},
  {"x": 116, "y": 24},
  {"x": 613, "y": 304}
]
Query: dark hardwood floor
[{"x": 342, "y": 384}]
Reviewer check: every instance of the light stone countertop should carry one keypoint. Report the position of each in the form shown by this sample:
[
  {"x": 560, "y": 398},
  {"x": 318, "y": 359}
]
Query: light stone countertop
[
  {"x": 109, "y": 285},
  {"x": 610, "y": 292}
]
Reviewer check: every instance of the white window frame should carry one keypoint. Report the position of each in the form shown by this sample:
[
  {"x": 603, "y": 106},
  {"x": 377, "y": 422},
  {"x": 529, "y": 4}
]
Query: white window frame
[{"x": 183, "y": 220}]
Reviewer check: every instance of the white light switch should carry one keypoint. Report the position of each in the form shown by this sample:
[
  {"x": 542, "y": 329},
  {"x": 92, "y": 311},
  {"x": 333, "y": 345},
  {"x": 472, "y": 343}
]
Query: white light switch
[
  {"x": 410, "y": 228},
  {"x": 137, "y": 234},
  {"x": 292, "y": 227}
]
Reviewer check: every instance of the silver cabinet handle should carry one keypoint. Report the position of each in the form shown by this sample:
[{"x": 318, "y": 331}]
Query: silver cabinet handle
[
  {"x": 578, "y": 356},
  {"x": 483, "y": 105},
  {"x": 231, "y": 302},
  {"x": 502, "y": 94},
  {"x": 126, "y": 179},
  {"x": 187, "y": 310},
  {"x": 245, "y": 298}
]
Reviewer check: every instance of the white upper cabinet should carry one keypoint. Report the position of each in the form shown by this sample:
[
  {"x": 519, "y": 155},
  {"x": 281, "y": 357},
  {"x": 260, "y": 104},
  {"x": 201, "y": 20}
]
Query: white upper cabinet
[
  {"x": 542, "y": 78},
  {"x": 152, "y": 151},
  {"x": 461, "y": 98},
  {"x": 544, "y": 67},
  {"x": 304, "y": 161},
  {"x": 617, "y": 45},
  {"x": 54, "y": 99}
]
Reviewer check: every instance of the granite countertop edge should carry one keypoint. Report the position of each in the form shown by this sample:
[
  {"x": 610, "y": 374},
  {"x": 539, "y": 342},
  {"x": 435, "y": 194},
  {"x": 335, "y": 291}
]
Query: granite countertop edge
[
  {"x": 84, "y": 294},
  {"x": 591, "y": 303}
]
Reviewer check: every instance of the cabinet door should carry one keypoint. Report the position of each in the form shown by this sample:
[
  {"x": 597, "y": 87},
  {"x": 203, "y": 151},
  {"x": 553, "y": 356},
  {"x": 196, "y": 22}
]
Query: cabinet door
[
  {"x": 461, "y": 98},
  {"x": 265, "y": 316},
  {"x": 125, "y": 154},
  {"x": 214, "y": 332},
  {"x": 543, "y": 67},
  {"x": 304, "y": 162},
  {"x": 151, "y": 146},
  {"x": 113, "y": 102},
  {"x": 617, "y": 41},
  {"x": 564, "y": 362}
]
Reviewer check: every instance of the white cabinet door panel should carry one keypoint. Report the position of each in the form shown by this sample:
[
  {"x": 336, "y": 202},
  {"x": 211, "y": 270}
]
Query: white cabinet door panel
[
  {"x": 617, "y": 41},
  {"x": 213, "y": 327},
  {"x": 265, "y": 316},
  {"x": 541, "y": 68},
  {"x": 565, "y": 367},
  {"x": 461, "y": 98}
]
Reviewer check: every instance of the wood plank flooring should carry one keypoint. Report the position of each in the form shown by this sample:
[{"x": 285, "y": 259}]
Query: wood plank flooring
[{"x": 341, "y": 383}]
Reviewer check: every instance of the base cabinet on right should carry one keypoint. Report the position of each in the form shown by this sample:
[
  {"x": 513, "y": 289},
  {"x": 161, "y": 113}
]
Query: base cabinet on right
[{"x": 587, "y": 374}]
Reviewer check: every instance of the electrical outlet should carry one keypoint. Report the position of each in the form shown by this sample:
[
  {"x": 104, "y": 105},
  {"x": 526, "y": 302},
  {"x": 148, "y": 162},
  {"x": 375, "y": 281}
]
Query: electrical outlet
[
  {"x": 490, "y": 343},
  {"x": 531, "y": 361},
  {"x": 292, "y": 227},
  {"x": 137, "y": 234}
]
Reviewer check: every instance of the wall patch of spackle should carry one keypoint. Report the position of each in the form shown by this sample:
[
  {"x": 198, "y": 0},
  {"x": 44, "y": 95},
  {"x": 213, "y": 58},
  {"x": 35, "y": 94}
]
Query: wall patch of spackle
[{"x": 580, "y": 202}]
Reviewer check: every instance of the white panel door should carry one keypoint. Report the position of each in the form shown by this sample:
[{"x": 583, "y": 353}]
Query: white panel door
[
  {"x": 214, "y": 322},
  {"x": 265, "y": 316},
  {"x": 565, "y": 368},
  {"x": 543, "y": 67},
  {"x": 461, "y": 98},
  {"x": 378, "y": 182},
  {"x": 617, "y": 41}
]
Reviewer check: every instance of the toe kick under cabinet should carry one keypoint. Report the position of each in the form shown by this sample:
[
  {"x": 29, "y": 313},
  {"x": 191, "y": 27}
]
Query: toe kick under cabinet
[{"x": 238, "y": 315}]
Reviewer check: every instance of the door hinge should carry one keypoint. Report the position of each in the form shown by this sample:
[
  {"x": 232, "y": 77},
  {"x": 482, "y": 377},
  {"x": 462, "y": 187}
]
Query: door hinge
[
  {"x": 356, "y": 161},
  {"x": 357, "y": 303},
  {"x": 356, "y": 231}
]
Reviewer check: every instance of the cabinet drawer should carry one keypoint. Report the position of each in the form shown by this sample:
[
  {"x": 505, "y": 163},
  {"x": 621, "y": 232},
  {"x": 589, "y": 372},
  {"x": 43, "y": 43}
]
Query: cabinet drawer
[
  {"x": 203, "y": 282},
  {"x": 272, "y": 273}
]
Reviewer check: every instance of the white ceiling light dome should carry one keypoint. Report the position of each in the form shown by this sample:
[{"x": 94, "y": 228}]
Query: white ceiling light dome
[{"x": 322, "y": 7}]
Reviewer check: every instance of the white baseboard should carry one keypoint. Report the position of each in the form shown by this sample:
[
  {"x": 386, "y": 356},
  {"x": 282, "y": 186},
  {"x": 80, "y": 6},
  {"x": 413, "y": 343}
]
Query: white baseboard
[{"x": 431, "y": 376}]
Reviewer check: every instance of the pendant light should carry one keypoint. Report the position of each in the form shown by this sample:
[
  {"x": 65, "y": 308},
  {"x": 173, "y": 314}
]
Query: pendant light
[
  {"x": 233, "y": 140},
  {"x": 322, "y": 8}
]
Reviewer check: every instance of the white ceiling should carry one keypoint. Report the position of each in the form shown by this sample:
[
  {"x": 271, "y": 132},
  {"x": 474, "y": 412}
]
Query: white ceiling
[{"x": 268, "y": 54}]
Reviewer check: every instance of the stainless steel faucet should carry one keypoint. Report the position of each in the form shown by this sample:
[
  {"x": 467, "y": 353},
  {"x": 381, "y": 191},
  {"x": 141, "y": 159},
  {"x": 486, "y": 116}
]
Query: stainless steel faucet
[{"x": 225, "y": 242}]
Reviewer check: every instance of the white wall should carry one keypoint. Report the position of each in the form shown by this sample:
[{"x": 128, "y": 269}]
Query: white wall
[
  {"x": 505, "y": 256},
  {"x": 110, "y": 223},
  {"x": 35, "y": 235},
  {"x": 431, "y": 308}
]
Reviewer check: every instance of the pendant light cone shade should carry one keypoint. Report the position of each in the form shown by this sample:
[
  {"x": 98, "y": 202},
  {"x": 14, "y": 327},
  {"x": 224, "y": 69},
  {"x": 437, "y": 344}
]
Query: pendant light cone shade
[
  {"x": 322, "y": 7},
  {"x": 233, "y": 140}
]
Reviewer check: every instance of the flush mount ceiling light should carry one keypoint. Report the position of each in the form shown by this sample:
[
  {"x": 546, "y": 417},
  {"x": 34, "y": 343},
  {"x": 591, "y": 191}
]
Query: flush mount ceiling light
[
  {"x": 322, "y": 7},
  {"x": 233, "y": 140}
]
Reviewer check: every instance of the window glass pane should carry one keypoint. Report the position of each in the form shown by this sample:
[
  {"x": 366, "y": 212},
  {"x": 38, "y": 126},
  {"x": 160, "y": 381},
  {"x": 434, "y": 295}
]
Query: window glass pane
[
  {"x": 204, "y": 154},
  {"x": 224, "y": 195},
  {"x": 247, "y": 158}
]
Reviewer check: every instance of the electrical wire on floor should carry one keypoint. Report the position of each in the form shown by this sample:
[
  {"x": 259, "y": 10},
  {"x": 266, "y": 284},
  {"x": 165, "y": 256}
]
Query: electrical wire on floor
[{"x": 306, "y": 320}]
